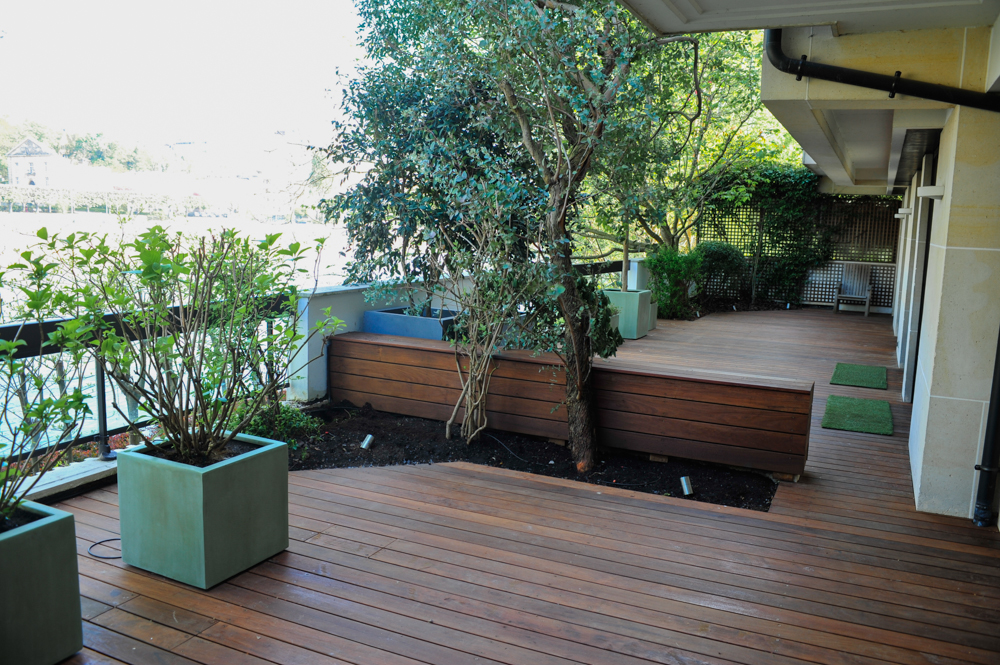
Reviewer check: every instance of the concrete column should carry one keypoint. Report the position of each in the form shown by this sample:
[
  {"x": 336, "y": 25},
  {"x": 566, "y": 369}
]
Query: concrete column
[
  {"x": 904, "y": 265},
  {"x": 958, "y": 337},
  {"x": 897, "y": 294},
  {"x": 638, "y": 275},
  {"x": 921, "y": 219},
  {"x": 307, "y": 380}
]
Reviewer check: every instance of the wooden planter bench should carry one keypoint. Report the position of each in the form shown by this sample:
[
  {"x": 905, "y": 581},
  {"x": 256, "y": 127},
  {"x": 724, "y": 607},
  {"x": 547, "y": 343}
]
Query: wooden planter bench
[{"x": 755, "y": 422}]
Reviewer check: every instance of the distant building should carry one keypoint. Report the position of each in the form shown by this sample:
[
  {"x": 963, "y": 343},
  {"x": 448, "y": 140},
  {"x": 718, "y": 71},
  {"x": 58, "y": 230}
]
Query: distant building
[{"x": 31, "y": 163}]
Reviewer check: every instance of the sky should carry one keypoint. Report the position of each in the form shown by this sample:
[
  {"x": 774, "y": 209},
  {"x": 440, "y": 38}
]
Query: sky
[{"x": 229, "y": 73}]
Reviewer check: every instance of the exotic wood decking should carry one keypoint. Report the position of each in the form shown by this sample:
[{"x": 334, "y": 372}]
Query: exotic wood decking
[
  {"x": 458, "y": 563},
  {"x": 753, "y": 421}
]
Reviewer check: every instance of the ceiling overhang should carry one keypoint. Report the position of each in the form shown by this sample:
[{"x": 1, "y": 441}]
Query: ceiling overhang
[{"x": 845, "y": 16}]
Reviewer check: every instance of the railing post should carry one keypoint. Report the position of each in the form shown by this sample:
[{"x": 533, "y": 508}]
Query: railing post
[{"x": 103, "y": 447}]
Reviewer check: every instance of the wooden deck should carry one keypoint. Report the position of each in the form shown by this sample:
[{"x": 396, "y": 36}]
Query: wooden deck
[{"x": 463, "y": 564}]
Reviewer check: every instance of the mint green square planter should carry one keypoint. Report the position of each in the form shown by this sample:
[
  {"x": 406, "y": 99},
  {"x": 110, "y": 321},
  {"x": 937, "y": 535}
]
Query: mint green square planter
[
  {"x": 633, "y": 309},
  {"x": 40, "y": 590},
  {"x": 202, "y": 526}
]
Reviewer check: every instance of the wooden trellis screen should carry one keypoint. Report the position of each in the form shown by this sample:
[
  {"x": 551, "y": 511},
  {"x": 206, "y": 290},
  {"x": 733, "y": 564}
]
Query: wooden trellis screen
[
  {"x": 866, "y": 232},
  {"x": 822, "y": 283},
  {"x": 868, "y": 228}
]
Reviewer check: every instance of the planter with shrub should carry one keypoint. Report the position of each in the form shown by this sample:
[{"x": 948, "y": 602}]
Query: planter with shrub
[
  {"x": 198, "y": 329},
  {"x": 41, "y": 390}
]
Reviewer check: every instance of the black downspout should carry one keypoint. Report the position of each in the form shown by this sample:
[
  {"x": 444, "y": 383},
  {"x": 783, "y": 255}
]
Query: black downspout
[
  {"x": 890, "y": 84},
  {"x": 983, "y": 515}
]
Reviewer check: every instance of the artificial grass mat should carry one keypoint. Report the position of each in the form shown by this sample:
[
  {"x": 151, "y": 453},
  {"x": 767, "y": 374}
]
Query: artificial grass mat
[
  {"x": 871, "y": 416},
  {"x": 863, "y": 376}
]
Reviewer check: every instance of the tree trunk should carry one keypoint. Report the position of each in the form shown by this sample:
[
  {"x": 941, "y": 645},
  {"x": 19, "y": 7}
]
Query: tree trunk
[
  {"x": 579, "y": 393},
  {"x": 577, "y": 346}
]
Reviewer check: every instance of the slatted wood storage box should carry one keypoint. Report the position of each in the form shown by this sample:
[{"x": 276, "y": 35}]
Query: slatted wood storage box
[{"x": 755, "y": 422}]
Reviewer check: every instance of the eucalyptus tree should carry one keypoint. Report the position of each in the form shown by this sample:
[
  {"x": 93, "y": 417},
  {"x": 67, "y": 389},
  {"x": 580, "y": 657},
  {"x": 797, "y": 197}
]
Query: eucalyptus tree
[{"x": 547, "y": 78}]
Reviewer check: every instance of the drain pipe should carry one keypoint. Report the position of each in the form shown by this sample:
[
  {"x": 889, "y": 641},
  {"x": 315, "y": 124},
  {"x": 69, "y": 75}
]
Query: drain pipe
[
  {"x": 983, "y": 515},
  {"x": 891, "y": 84}
]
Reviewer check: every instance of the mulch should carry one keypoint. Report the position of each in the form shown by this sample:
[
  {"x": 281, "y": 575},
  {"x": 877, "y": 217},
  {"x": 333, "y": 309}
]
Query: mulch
[{"x": 407, "y": 440}]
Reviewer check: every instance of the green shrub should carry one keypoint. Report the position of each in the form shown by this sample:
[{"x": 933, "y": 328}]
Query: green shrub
[
  {"x": 723, "y": 273},
  {"x": 675, "y": 278},
  {"x": 281, "y": 423}
]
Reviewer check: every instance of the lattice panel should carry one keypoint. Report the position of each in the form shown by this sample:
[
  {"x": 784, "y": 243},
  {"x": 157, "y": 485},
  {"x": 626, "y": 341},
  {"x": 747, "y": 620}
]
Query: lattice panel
[
  {"x": 822, "y": 283},
  {"x": 867, "y": 229}
]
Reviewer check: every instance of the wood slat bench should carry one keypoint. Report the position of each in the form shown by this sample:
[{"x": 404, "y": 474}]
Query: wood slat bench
[{"x": 750, "y": 421}]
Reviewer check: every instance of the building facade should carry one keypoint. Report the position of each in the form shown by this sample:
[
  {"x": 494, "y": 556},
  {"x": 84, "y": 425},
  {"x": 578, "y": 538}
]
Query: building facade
[
  {"x": 31, "y": 163},
  {"x": 942, "y": 158}
]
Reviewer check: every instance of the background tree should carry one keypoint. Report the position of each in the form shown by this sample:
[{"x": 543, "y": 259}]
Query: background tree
[
  {"x": 666, "y": 162},
  {"x": 401, "y": 127}
]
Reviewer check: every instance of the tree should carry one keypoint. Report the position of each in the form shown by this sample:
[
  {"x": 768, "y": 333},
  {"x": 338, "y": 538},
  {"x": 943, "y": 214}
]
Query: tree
[
  {"x": 667, "y": 161},
  {"x": 409, "y": 147},
  {"x": 548, "y": 78}
]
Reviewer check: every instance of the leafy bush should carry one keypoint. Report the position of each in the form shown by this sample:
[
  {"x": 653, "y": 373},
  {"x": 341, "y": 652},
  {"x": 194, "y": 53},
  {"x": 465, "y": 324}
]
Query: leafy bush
[
  {"x": 41, "y": 391},
  {"x": 190, "y": 326},
  {"x": 675, "y": 279},
  {"x": 281, "y": 423},
  {"x": 778, "y": 224},
  {"x": 723, "y": 273}
]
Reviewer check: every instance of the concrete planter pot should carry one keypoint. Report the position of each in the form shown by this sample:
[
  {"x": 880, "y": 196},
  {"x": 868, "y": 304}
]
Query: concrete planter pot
[
  {"x": 634, "y": 310},
  {"x": 202, "y": 526},
  {"x": 395, "y": 321},
  {"x": 653, "y": 313},
  {"x": 40, "y": 590}
]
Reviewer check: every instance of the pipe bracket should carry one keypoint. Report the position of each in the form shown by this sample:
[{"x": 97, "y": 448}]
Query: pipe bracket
[{"x": 895, "y": 82}]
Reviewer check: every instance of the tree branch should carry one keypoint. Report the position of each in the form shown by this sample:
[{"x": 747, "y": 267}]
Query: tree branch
[{"x": 535, "y": 150}]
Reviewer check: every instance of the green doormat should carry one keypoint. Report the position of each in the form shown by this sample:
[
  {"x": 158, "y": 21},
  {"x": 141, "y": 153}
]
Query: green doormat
[
  {"x": 865, "y": 376},
  {"x": 858, "y": 415}
]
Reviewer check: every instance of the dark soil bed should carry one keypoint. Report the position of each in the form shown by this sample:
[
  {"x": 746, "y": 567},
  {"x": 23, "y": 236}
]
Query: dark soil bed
[
  {"x": 232, "y": 449},
  {"x": 406, "y": 440},
  {"x": 17, "y": 519}
]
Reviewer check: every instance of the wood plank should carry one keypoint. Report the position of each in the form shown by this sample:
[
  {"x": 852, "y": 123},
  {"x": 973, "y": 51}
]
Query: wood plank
[
  {"x": 706, "y": 412},
  {"x": 137, "y": 627},
  {"x": 89, "y": 657},
  {"x": 429, "y": 354},
  {"x": 504, "y": 421},
  {"x": 742, "y": 437},
  {"x": 504, "y": 533},
  {"x": 210, "y": 653},
  {"x": 127, "y": 649},
  {"x": 341, "y": 365},
  {"x": 664, "y": 540},
  {"x": 391, "y": 385},
  {"x": 702, "y": 450},
  {"x": 714, "y": 393}
]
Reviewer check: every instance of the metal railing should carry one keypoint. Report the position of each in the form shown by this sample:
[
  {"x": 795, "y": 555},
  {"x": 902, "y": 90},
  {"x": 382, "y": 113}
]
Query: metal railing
[{"x": 35, "y": 337}]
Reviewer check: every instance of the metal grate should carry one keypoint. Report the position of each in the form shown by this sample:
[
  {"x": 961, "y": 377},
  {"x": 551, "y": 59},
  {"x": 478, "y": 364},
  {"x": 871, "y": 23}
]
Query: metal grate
[{"x": 822, "y": 283}]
